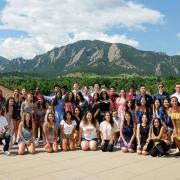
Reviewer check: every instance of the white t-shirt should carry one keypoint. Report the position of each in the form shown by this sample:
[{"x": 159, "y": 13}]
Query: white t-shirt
[
  {"x": 176, "y": 95},
  {"x": 89, "y": 131},
  {"x": 68, "y": 128},
  {"x": 3, "y": 122},
  {"x": 117, "y": 121},
  {"x": 107, "y": 130},
  {"x": 88, "y": 98}
]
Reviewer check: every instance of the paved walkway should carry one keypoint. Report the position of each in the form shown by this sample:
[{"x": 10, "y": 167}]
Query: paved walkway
[{"x": 87, "y": 166}]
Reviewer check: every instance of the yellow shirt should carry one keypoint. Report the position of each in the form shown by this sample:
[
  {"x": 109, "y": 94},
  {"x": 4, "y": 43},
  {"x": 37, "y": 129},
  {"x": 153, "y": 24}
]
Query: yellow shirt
[{"x": 175, "y": 116}]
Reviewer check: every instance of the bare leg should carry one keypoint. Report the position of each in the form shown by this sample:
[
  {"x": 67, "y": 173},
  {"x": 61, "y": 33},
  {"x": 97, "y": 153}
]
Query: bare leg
[
  {"x": 55, "y": 147},
  {"x": 65, "y": 144},
  {"x": 21, "y": 149},
  {"x": 15, "y": 130},
  {"x": 124, "y": 149},
  {"x": 85, "y": 145},
  {"x": 48, "y": 148},
  {"x": 31, "y": 148},
  {"x": 93, "y": 145},
  {"x": 71, "y": 145}
]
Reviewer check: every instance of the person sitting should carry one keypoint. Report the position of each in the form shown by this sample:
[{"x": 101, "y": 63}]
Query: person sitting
[{"x": 4, "y": 135}]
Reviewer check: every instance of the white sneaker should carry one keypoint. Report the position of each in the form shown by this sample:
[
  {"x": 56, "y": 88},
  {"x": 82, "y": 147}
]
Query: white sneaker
[
  {"x": 36, "y": 142},
  {"x": 7, "y": 153}
]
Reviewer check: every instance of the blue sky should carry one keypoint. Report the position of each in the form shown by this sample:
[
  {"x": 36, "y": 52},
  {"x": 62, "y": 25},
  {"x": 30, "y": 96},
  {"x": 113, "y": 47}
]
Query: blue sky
[{"x": 28, "y": 29}]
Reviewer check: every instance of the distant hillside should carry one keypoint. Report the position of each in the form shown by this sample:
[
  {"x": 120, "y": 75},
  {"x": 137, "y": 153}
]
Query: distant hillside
[{"x": 95, "y": 57}]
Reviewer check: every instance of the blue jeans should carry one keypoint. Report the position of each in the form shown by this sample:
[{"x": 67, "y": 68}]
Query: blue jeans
[{"x": 7, "y": 139}]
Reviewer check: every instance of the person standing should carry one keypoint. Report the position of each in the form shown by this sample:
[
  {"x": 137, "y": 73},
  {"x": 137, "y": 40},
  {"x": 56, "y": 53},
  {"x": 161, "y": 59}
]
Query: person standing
[
  {"x": 2, "y": 99},
  {"x": 9, "y": 116},
  {"x": 161, "y": 94},
  {"x": 27, "y": 105},
  {"x": 104, "y": 105},
  {"x": 121, "y": 103},
  {"x": 112, "y": 97},
  {"x": 130, "y": 95},
  {"x": 177, "y": 93},
  {"x": 96, "y": 88},
  {"x": 16, "y": 114},
  {"x": 149, "y": 99}
]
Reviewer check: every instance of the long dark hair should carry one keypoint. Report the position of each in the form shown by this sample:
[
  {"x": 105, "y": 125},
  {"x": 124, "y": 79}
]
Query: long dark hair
[
  {"x": 1, "y": 95},
  {"x": 50, "y": 126},
  {"x": 159, "y": 105},
  {"x": 55, "y": 100},
  {"x": 80, "y": 113},
  {"x": 93, "y": 120},
  {"x": 132, "y": 105},
  {"x": 148, "y": 108},
  {"x": 98, "y": 98},
  {"x": 131, "y": 120},
  {"x": 65, "y": 114},
  {"x": 66, "y": 98},
  {"x": 101, "y": 95},
  {"x": 163, "y": 107},
  {"x": 81, "y": 97},
  {"x": 111, "y": 118},
  {"x": 43, "y": 105},
  {"x": 178, "y": 104},
  {"x": 155, "y": 130},
  {"x": 30, "y": 122},
  {"x": 7, "y": 104},
  {"x": 2, "y": 111}
]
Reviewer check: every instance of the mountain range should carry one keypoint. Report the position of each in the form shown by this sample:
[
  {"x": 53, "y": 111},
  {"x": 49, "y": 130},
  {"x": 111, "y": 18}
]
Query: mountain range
[{"x": 95, "y": 57}]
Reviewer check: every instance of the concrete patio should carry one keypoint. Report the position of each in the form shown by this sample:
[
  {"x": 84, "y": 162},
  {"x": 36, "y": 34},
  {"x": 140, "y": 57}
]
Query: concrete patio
[{"x": 87, "y": 165}]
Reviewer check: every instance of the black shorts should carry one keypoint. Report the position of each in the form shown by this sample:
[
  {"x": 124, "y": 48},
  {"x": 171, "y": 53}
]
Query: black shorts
[{"x": 95, "y": 139}]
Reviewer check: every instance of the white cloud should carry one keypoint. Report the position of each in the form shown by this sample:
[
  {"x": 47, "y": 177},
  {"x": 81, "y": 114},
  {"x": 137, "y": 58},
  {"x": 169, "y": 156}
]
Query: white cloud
[
  {"x": 178, "y": 35},
  {"x": 104, "y": 37},
  {"x": 178, "y": 53},
  {"x": 49, "y": 23}
]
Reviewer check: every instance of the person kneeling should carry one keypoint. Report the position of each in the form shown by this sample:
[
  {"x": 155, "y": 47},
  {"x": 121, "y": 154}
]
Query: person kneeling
[
  {"x": 108, "y": 129},
  {"x": 88, "y": 132},
  {"x": 25, "y": 132},
  {"x": 143, "y": 136},
  {"x": 128, "y": 134},
  {"x": 68, "y": 127},
  {"x": 50, "y": 133}
]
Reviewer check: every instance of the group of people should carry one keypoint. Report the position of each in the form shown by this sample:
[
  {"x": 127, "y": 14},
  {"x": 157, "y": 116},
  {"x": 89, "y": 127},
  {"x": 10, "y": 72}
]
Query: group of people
[{"x": 67, "y": 119}]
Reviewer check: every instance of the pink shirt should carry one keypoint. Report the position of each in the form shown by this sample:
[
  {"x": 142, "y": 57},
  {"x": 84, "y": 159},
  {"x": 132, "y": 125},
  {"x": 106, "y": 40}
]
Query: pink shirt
[
  {"x": 120, "y": 103},
  {"x": 130, "y": 96},
  {"x": 69, "y": 106}
]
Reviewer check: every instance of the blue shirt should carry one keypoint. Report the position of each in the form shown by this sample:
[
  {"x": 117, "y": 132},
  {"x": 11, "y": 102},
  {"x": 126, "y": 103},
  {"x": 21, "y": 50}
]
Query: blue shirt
[
  {"x": 149, "y": 99},
  {"x": 162, "y": 96}
]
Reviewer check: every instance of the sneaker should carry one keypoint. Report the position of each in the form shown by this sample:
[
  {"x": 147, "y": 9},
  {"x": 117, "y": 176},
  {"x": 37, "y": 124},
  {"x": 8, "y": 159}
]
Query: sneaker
[
  {"x": 7, "y": 153},
  {"x": 177, "y": 154},
  {"x": 36, "y": 142}
]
